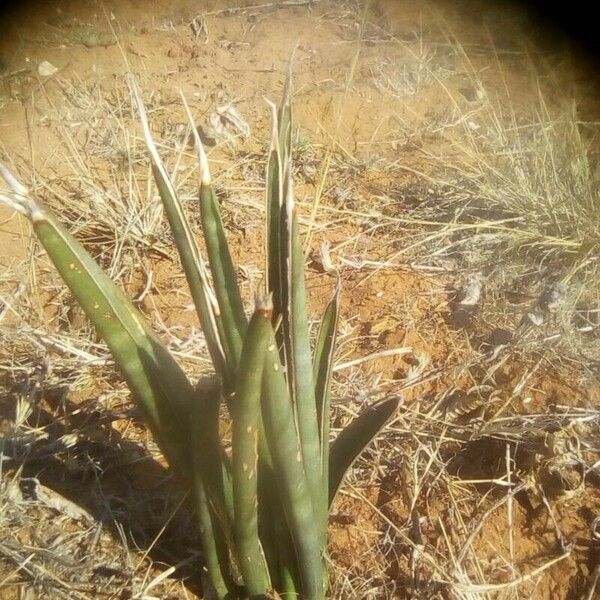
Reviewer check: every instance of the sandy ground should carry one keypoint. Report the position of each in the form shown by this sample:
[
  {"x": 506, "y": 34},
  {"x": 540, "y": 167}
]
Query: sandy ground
[{"x": 486, "y": 484}]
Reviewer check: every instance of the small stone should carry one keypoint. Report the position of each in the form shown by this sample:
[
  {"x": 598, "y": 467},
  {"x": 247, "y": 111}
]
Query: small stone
[{"x": 47, "y": 69}]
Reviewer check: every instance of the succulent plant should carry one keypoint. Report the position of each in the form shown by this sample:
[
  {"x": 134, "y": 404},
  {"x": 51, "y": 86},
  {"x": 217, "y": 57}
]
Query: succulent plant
[{"x": 262, "y": 509}]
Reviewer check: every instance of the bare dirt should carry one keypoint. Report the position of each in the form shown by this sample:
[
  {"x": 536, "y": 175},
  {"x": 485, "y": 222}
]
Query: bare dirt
[{"x": 426, "y": 513}]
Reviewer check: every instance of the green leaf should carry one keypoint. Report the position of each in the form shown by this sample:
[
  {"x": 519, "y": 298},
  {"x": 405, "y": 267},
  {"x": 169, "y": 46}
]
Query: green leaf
[
  {"x": 245, "y": 435},
  {"x": 323, "y": 368},
  {"x": 158, "y": 384},
  {"x": 193, "y": 265},
  {"x": 223, "y": 273},
  {"x": 281, "y": 143},
  {"x": 298, "y": 358},
  {"x": 357, "y": 436},
  {"x": 274, "y": 201},
  {"x": 284, "y": 117},
  {"x": 289, "y": 472},
  {"x": 210, "y": 464},
  {"x": 323, "y": 362},
  {"x": 222, "y": 268},
  {"x": 216, "y": 553}
]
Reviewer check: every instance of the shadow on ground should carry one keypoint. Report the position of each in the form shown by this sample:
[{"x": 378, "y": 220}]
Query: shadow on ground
[{"x": 76, "y": 451}]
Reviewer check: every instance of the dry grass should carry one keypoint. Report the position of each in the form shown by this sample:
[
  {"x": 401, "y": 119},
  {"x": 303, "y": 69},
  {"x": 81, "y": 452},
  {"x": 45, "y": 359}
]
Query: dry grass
[
  {"x": 481, "y": 450},
  {"x": 510, "y": 193}
]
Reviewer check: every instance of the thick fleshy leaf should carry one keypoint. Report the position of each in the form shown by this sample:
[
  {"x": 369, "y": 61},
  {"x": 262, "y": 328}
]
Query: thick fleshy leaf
[
  {"x": 191, "y": 260},
  {"x": 298, "y": 357},
  {"x": 323, "y": 367},
  {"x": 216, "y": 553},
  {"x": 222, "y": 268},
  {"x": 289, "y": 473},
  {"x": 209, "y": 461},
  {"x": 280, "y": 151},
  {"x": 158, "y": 384},
  {"x": 245, "y": 435},
  {"x": 357, "y": 436},
  {"x": 323, "y": 362},
  {"x": 299, "y": 360},
  {"x": 223, "y": 273},
  {"x": 284, "y": 117},
  {"x": 274, "y": 201}
]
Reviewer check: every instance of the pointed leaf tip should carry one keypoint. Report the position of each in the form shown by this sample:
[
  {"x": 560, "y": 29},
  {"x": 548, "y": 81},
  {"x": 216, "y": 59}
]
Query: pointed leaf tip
[
  {"x": 205, "y": 178},
  {"x": 264, "y": 304}
]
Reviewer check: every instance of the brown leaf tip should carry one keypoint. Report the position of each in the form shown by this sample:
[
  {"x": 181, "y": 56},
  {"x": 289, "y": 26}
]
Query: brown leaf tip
[{"x": 264, "y": 305}]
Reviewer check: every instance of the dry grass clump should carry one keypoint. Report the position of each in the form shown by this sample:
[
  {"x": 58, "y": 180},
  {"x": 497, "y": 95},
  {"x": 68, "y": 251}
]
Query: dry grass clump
[
  {"x": 504, "y": 187},
  {"x": 529, "y": 181}
]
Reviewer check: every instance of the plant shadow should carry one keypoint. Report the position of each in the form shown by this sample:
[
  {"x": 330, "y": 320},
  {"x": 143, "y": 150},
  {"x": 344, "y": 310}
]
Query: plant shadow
[{"x": 82, "y": 455}]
